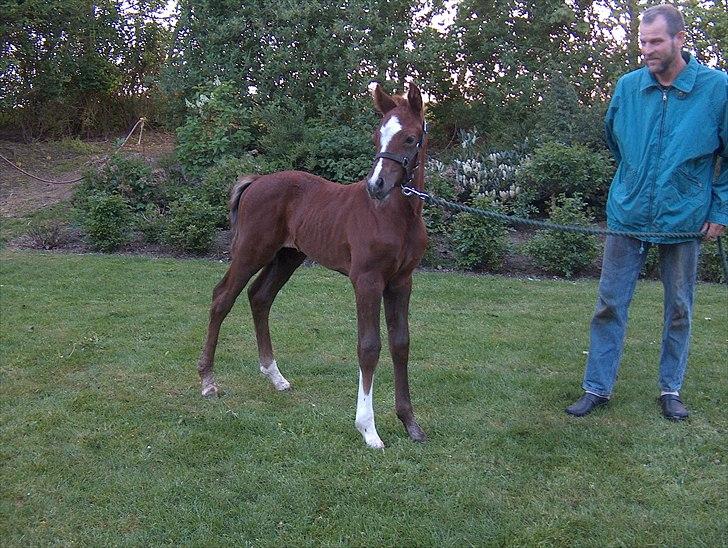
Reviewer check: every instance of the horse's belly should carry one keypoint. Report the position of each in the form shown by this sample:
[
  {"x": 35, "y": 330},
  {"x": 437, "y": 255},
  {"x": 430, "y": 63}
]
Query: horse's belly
[{"x": 331, "y": 254}]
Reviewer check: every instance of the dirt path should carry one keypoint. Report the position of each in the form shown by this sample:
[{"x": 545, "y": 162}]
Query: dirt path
[{"x": 64, "y": 160}]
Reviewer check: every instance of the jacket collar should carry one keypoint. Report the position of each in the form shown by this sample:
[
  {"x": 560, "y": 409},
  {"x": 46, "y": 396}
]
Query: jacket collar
[{"x": 684, "y": 81}]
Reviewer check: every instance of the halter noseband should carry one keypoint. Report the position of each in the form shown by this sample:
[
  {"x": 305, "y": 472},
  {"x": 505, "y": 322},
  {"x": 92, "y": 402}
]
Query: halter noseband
[{"x": 409, "y": 164}]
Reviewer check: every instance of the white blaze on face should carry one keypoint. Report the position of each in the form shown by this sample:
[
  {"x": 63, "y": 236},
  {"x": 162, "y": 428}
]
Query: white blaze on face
[
  {"x": 365, "y": 416},
  {"x": 386, "y": 132}
]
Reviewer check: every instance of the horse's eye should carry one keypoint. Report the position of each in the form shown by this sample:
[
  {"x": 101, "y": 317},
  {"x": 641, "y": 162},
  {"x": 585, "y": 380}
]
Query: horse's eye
[{"x": 410, "y": 140}]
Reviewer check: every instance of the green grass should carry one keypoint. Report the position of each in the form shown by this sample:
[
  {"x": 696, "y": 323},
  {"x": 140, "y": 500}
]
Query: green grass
[{"x": 104, "y": 438}]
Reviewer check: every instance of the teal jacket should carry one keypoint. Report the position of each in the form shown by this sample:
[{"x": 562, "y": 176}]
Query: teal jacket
[{"x": 666, "y": 142}]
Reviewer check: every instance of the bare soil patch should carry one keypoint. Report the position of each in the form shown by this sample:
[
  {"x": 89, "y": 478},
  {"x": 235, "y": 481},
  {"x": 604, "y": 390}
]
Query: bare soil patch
[{"x": 61, "y": 161}]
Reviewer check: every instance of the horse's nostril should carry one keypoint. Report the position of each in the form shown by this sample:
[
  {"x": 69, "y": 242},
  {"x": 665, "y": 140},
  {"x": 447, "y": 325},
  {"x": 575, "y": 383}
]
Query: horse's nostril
[{"x": 380, "y": 182}]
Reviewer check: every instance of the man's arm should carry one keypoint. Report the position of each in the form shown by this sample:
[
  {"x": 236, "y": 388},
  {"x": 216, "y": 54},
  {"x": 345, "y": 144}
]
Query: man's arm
[
  {"x": 718, "y": 214},
  {"x": 609, "y": 123}
]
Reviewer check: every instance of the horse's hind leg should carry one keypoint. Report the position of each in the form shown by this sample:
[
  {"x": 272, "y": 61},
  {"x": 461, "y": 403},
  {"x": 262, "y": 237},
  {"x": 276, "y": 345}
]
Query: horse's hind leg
[
  {"x": 223, "y": 298},
  {"x": 396, "y": 310},
  {"x": 261, "y": 294}
]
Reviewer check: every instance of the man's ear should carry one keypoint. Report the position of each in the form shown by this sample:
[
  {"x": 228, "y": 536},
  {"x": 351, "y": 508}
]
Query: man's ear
[{"x": 680, "y": 37}]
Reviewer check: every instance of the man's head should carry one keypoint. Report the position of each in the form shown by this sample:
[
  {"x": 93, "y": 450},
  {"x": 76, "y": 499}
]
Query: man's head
[{"x": 662, "y": 36}]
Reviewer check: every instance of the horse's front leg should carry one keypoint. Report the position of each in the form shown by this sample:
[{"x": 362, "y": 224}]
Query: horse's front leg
[
  {"x": 396, "y": 309},
  {"x": 368, "y": 289}
]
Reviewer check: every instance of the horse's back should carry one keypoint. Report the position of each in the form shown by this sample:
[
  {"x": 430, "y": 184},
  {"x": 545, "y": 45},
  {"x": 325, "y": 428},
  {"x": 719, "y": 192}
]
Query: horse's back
[
  {"x": 291, "y": 192},
  {"x": 304, "y": 212}
]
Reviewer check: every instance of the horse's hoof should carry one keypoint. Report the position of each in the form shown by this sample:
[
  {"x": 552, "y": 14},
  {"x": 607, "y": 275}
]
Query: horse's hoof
[
  {"x": 283, "y": 386},
  {"x": 375, "y": 443},
  {"x": 416, "y": 433},
  {"x": 272, "y": 373},
  {"x": 371, "y": 438},
  {"x": 210, "y": 389}
]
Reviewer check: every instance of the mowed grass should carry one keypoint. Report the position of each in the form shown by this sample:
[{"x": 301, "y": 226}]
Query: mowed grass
[{"x": 105, "y": 439}]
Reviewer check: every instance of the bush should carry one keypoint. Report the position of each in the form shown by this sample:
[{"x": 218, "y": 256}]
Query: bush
[
  {"x": 564, "y": 253},
  {"x": 437, "y": 219},
  {"x": 106, "y": 218},
  {"x": 651, "y": 268},
  {"x": 710, "y": 268},
  {"x": 337, "y": 146},
  {"x": 49, "y": 234},
  {"x": 191, "y": 223},
  {"x": 130, "y": 178},
  {"x": 219, "y": 179},
  {"x": 495, "y": 174},
  {"x": 219, "y": 125},
  {"x": 152, "y": 223},
  {"x": 337, "y": 152},
  {"x": 479, "y": 242},
  {"x": 555, "y": 169}
]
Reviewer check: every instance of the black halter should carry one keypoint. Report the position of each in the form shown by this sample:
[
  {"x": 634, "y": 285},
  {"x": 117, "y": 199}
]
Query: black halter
[{"x": 409, "y": 164}]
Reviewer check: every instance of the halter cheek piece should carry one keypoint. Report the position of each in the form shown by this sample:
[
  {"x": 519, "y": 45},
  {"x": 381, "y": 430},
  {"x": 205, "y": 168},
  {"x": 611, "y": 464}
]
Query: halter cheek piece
[{"x": 409, "y": 164}]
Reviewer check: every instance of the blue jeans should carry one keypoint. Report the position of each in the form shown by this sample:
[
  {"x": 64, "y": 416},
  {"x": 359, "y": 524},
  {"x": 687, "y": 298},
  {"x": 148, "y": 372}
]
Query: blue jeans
[{"x": 623, "y": 260}]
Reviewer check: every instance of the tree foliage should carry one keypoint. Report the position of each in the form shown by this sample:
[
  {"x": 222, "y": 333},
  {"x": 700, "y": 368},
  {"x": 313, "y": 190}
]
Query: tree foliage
[
  {"x": 319, "y": 53},
  {"x": 79, "y": 67}
]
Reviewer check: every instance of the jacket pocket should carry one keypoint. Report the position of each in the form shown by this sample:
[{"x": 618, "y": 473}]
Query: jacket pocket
[
  {"x": 627, "y": 188},
  {"x": 686, "y": 183}
]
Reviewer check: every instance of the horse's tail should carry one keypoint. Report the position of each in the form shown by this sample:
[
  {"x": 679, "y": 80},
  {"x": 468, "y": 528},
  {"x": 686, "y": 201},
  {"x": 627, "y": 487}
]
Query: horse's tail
[{"x": 241, "y": 184}]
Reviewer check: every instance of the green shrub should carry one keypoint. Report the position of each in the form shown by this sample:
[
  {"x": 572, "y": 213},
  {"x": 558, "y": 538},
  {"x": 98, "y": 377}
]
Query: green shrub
[
  {"x": 436, "y": 218},
  {"x": 564, "y": 253},
  {"x": 218, "y": 125},
  {"x": 106, "y": 219},
  {"x": 338, "y": 152},
  {"x": 651, "y": 268},
  {"x": 152, "y": 223},
  {"x": 709, "y": 263},
  {"x": 130, "y": 178},
  {"x": 191, "y": 223},
  {"x": 710, "y": 268},
  {"x": 555, "y": 169},
  {"x": 479, "y": 242},
  {"x": 220, "y": 178}
]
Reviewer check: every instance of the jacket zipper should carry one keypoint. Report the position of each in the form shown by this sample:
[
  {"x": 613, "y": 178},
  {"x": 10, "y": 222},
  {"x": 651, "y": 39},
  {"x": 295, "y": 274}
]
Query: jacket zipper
[{"x": 659, "y": 154}]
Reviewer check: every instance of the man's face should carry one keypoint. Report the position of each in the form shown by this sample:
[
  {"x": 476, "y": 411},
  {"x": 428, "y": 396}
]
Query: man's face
[{"x": 659, "y": 50}]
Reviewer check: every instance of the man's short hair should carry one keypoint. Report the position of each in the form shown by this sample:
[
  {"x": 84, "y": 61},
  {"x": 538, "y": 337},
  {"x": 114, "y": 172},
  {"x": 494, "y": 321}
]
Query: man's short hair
[{"x": 673, "y": 17}]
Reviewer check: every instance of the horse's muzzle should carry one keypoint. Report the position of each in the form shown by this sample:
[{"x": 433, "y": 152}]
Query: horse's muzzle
[{"x": 378, "y": 189}]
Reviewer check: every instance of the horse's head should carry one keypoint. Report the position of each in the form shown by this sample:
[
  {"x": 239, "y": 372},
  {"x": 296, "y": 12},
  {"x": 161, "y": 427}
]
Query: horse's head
[{"x": 398, "y": 139}]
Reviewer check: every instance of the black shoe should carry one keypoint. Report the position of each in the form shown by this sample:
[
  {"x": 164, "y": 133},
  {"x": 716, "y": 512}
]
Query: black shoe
[
  {"x": 673, "y": 408},
  {"x": 585, "y": 404}
]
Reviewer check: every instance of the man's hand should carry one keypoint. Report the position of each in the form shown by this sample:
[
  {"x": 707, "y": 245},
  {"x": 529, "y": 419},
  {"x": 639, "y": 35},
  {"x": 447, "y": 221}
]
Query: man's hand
[{"x": 712, "y": 230}]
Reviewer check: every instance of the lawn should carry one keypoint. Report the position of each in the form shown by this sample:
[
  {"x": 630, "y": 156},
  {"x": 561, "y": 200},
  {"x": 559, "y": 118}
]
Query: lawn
[{"x": 104, "y": 438}]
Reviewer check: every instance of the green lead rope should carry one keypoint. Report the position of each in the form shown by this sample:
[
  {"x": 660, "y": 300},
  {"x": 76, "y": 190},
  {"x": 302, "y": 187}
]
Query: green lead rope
[{"x": 513, "y": 220}]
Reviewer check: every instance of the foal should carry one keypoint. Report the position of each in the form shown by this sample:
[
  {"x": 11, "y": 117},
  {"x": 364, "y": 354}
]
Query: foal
[{"x": 368, "y": 231}]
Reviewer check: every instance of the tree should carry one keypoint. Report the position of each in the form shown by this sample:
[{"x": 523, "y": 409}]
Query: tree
[
  {"x": 77, "y": 66},
  {"x": 320, "y": 54}
]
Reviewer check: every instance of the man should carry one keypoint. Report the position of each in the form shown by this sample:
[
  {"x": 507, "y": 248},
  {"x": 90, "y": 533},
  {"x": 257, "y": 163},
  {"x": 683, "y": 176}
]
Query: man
[{"x": 666, "y": 125}]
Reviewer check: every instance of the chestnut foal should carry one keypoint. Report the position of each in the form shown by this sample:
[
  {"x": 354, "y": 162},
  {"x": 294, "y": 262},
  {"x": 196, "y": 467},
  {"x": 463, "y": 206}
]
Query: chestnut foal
[{"x": 368, "y": 231}]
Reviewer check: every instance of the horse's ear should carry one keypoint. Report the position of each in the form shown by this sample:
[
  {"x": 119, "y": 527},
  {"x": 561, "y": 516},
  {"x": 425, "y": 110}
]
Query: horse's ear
[
  {"x": 414, "y": 98},
  {"x": 383, "y": 102}
]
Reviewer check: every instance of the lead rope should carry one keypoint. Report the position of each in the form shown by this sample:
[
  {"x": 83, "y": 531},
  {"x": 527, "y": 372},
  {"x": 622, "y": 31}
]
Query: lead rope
[
  {"x": 513, "y": 220},
  {"x": 140, "y": 121}
]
